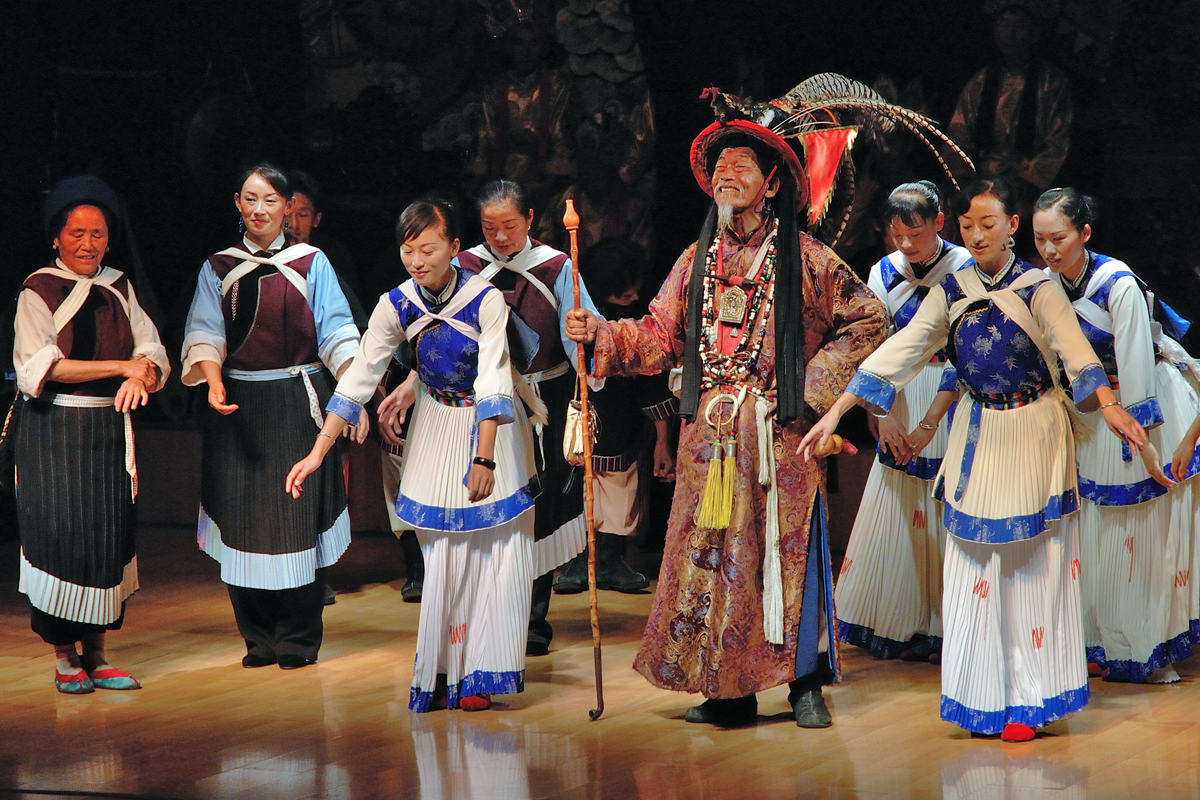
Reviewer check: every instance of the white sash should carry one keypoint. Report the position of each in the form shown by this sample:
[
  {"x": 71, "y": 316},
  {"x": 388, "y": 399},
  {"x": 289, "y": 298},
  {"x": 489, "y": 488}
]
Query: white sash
[
  {"x": 280, "y": 261},
  {"x": 1085, "y": 307},
  {"x": 105, "y": 277},
  {"x": 475, "y": 286},
  {"x": 1008, "y": 301},
  {"x": 900, "y": 293},
  {"x": 521, "y": 264}
]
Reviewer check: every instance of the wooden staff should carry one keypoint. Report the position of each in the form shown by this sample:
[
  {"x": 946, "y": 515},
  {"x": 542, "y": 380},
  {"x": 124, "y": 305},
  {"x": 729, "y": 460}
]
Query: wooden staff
[{"x": 571, "y": 223}]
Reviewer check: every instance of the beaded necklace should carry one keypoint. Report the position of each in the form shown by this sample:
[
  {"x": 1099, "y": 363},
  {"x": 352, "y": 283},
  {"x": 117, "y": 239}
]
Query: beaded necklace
[{"x": 716, "y": 367}]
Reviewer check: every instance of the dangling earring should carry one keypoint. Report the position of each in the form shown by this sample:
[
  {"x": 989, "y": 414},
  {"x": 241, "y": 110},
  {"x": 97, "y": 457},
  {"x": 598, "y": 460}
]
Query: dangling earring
[
  {"x": 285, "y": 225},
  {"x": 1011, "y": 244},
  {"x": 241, "y": 225}
]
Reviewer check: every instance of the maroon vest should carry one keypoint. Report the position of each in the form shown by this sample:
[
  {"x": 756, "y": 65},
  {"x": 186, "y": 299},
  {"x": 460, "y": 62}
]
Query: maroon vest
[
  {"x": 99, "y": 331},
  {"x": 529, "y": 304},
  {"x": 268, "y": 323}
]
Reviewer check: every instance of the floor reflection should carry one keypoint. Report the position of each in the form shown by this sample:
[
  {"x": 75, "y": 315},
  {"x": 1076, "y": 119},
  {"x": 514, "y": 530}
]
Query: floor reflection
[{"x": 992, "y": 774}]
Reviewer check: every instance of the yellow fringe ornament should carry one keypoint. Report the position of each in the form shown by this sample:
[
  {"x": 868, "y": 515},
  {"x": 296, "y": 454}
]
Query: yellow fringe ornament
[{"x": 712, "y": 500}]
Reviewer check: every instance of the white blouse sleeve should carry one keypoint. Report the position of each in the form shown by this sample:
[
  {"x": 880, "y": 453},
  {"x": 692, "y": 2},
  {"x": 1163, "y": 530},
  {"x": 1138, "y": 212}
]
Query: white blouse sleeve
[
  {"x": 375, "y": 350},
  {"x": 903, "y": 355},
  {"x": 493, "y": 380},
  {"x": 35, "y": 343},
  {"x": 1134, "y": 345},
  {"x": 204, "y": 332},
  {"x": 1055, "y": 315},
  {"x": 146, "y": 343}
]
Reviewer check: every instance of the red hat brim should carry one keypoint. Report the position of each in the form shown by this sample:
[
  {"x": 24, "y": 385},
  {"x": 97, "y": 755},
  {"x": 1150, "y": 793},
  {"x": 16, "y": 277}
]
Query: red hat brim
[{"x": 711, "y": 135}]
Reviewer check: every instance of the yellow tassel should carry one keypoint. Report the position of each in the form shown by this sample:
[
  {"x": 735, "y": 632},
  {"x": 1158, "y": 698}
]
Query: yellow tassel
[
  {"x": 711, "y": 500},
  {"x": 725, "y": 513}
]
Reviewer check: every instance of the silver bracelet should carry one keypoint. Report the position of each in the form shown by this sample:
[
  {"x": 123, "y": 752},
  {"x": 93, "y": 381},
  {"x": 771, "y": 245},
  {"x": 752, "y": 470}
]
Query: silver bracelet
[
  {"x": 326, "y": 435},
  {"x": 1113, "y": 403},
  {"x": 926, "y": 426}
]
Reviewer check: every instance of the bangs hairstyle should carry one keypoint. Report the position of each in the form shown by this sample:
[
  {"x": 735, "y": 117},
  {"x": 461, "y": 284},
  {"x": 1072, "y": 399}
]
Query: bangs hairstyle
[
  {"x": 764, "y": 155},
  {"x": 305, "y": 184},
  {"x": 996, "y": 187},
  {"x": 914, "y": 204},
  {"x": 1077, "y": 207},
  {"x": 272, "y": 175},
  {"x": 423, "y": 214},
  {"x": 506, "y": 192},
  {"x": 613, "y": 266}
]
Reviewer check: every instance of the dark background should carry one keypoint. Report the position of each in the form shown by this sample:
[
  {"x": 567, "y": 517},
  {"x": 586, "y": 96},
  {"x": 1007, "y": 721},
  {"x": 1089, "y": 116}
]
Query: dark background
[{"x": 167, "y": 101}]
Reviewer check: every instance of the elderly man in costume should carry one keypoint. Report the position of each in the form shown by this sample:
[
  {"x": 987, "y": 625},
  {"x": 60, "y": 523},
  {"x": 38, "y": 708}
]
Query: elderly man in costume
[{"x": 768, "y": 325}]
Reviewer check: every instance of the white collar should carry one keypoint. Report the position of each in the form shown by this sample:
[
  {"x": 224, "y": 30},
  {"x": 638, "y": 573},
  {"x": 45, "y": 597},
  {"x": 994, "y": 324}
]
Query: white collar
[
  {"x": 274, "y": 246},
  {"x": 442, "y": 297},
  {"x": 96, "y": 274},
  {"x": 528, "y": 246}
]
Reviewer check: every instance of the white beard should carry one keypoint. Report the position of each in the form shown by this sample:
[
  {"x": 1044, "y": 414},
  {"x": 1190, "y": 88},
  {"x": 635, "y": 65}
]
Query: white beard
[{"x": 724, "y": 216}]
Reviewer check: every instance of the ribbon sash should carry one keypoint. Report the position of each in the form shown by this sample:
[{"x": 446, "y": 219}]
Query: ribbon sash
[
  {"x": 104, "y": 278},
  {"x": 521, "y": 264},
  {"x": 280, "y": 261},
  {"x": 474, "y": 286}
]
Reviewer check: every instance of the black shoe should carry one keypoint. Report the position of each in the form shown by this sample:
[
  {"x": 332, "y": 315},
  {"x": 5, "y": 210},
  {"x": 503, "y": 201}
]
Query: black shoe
[
  {"x": 809, "y": 708},
  {"x": 330, "y": 597},
  {"x": 612, "y": 571},
  {"x": 728, "y": 713},
  {"x": 536, "y": 646},
  {"x": 287, "y": 661},
  {"x": 411, "y": 592},
  {"x": 252, "y": 660},
  {"x": 573, "y": 579}
]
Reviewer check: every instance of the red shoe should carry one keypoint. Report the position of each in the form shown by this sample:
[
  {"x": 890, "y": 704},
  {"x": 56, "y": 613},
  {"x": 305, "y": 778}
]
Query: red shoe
[
  {"x": 475, "y": 702},
  {"x": 1016, "y": 732},
  {"x": 113, "y": 678},
  {"x": 1094, "y": 670},
  {"x": 75, "y": 683}
]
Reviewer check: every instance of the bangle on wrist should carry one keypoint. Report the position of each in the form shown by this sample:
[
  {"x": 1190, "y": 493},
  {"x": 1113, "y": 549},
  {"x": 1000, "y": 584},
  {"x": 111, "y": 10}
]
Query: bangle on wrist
[
  {"x": 927, "y": 426},
  {"x": 1113, "y": 403},
  {"x": 486, "y": 463},
  {"x": 326, "y": 435},
  {"x": 884, "y": 415}
]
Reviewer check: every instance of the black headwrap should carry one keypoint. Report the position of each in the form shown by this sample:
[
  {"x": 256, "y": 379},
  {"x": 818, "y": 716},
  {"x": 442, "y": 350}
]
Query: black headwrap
[{"x": 788, "y": 310}]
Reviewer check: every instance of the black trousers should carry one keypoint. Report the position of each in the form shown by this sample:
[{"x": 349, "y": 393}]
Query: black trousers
[
  {"x": 277, "y": 622},
  {"x": 57, "y": 632}
]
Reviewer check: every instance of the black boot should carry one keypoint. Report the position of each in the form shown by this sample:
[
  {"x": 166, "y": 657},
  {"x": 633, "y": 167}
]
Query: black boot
[
  {"x": 573, "y": 579},
  {"x": 808, "y": 705},
  {"x": 540, "y": 632},
  {"x": 612, "y": 572},
  {"x": 414, "y": 567},
  {"x": 728, "y": 713}
]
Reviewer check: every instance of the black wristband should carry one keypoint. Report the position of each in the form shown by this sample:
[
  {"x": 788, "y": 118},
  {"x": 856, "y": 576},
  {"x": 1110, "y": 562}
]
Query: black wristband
[{"x": 484, "y": 462}]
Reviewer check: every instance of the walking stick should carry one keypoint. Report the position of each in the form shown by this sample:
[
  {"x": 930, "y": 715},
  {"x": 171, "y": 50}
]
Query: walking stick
[{"x": 571, "y": 223}]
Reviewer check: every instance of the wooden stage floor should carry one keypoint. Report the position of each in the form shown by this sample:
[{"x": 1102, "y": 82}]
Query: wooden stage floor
[{"x": 204, "y": 727}]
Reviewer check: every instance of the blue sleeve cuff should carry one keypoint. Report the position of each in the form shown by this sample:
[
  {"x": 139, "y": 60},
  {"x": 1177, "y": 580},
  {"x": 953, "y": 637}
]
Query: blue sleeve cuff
[
  {"x": 949, "y": 382},
  {"x": 1090, "y": 379},
  {"x": 345, "y": 408},
  {"x": 877, "y": 392},
  {"x": 1148, "y": 413},
  {"x": 498, "y": 407}
]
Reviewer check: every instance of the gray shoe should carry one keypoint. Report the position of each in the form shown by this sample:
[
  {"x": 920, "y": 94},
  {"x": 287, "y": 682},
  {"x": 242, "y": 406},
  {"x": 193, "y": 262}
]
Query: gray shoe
[
  {"x": 573, "y": 579},
  {"x": 810, "y": 710}
]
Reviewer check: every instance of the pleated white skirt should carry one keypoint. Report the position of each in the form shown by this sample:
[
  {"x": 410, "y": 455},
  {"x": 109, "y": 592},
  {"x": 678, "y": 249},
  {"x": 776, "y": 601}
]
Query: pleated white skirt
[
  {"x": 474, "y": 612},
  {"x": 890, "y": 586},
  {"x": 1013, "y": 648},
  {"x": 438, "y": 452},
  {"x": 1139, "y": 600}
]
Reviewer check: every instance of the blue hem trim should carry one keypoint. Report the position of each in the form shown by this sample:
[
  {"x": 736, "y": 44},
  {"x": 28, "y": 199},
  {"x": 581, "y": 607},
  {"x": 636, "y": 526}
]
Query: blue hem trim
[
  {"x": 477, "y": 682},
  {"x": 1192, "y": 469},
  {"x": 1177, "y": 648},
  {"x": 497, "y": 406},
  {"x": 1148, "y": 412},
  {"x": 876, "y": 391},
  {"x": 345, "y": 408},
  {"x": 1008, "y": 529},
  {"x": 1130, "y": 494},
  {"x": 883, "y": 648},
  {"x": 920, "y": 467},
  {"x": 470, "y": 518},
  {"x": 1091, "y": 378},
  {"x": 991, "y": 722}
]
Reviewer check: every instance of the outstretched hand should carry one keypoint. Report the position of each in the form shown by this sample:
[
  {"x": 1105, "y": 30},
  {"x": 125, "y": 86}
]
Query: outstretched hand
[{"x": 306, "y": 466}]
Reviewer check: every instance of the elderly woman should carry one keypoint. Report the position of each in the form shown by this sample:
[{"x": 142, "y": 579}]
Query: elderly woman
[
  {"x": 268, "y": 325},
  {"x": 83, "y": 348}
]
